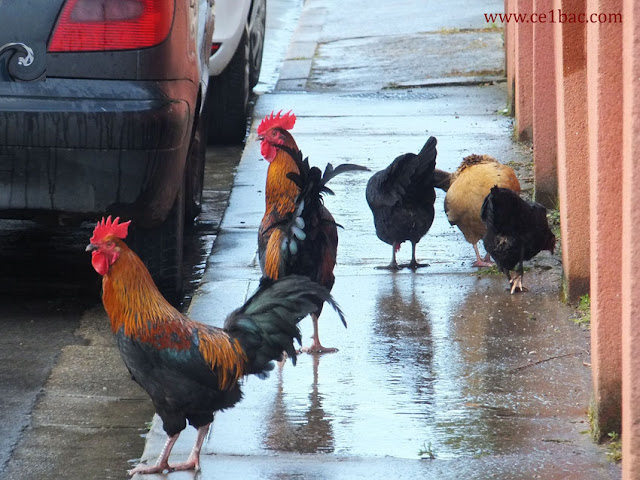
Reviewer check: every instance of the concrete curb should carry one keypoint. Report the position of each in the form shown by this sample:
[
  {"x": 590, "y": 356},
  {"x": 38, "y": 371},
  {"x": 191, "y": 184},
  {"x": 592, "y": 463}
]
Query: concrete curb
[{"x": 299, "y": 58}]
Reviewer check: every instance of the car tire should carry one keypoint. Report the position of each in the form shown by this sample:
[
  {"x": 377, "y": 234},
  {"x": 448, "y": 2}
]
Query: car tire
[
  {"x": 257, "y": 27},
  {"x": 161, "y": 249},
  {"x": 228, "y": 98}
]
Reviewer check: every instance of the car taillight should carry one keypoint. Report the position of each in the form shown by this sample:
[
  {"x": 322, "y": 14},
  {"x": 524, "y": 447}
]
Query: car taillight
[
  {"x": 98, "y": 25},
  {"x": 215, "y": 47}
]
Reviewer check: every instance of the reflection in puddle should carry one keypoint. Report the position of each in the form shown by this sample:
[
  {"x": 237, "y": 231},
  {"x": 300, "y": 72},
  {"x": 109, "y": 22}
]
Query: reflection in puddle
[{"x": 306, "y": 429}]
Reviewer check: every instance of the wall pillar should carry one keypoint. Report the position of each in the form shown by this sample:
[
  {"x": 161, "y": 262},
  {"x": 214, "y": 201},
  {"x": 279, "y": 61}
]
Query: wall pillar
[
  {"x": 573, "y": 152},
  {"x": 510, "y": 57},
  {"x": 604, "y": 82},
  {"x": 631, "y": 243},
  {"x": 524, "y": 72},
  {"x": 545, "y": 134}
]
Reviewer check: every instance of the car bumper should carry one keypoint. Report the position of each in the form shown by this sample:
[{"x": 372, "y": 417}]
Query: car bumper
[{"x": 83, "y": 147}]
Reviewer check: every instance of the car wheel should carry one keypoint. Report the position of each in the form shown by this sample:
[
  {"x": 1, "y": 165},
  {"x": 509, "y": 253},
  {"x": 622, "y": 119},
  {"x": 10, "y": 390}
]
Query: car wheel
[
  {"x": 161, "y": 249},
  {"x": 257, "y": 26},
  {"x": 228, "y": 98}
]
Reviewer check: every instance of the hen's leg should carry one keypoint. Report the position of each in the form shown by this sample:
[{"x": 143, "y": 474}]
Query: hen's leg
[
  {"x": 517, "y": 281},
  {"x": 414, "y": 264},
  {"x": 394, "y": 264},
  {"x": 193, "y": 462},
  {"x": 479, "y": 261},
  {"x": 316, "y": 346},
  {"x": 162, "y": 463}
]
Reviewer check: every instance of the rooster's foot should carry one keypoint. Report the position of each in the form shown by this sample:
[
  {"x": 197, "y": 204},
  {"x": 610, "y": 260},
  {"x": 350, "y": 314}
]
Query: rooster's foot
[
  {"x": 191, "y": 464},
  {"x": 144, "y": 469}
]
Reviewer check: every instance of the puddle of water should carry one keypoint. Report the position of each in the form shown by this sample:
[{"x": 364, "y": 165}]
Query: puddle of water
[{"x": 412, "y": 370}]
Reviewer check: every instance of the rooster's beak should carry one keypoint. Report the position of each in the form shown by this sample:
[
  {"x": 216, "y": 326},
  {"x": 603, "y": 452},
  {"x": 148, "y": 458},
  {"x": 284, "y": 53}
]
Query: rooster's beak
[{"x": 91, "y": 247}]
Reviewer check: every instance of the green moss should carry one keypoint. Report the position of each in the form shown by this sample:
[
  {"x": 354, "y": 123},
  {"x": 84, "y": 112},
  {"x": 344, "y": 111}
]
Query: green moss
[
  {"x": 614, "y": 447},
  {"x": 594, "y": 430},
  {"x": 583, "y": 317}
]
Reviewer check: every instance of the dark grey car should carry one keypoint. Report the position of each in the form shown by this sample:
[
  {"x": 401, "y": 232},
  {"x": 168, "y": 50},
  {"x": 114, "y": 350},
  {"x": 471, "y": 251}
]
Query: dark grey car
[{"x": 100, "y": 103}]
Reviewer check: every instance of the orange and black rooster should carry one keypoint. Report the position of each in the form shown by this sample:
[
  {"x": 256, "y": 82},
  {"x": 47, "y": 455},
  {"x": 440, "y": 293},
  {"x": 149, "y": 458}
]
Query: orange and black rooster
[
  {"x": 467, "y": 188},
  {"x": 517, "y": 230},
  {"x": 297, "y": 235},
  {"x": 189, "y": 369},
  {"x": 401, "y": 198}
]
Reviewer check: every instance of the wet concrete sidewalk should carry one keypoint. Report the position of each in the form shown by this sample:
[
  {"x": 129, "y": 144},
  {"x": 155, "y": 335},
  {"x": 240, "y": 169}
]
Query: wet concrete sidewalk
[{"x": 441, "y": 373}]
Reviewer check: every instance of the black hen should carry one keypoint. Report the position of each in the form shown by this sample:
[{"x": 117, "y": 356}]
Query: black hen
[
  {"x": 401, "y": 198},
  {"x": 517, "y": 230}
]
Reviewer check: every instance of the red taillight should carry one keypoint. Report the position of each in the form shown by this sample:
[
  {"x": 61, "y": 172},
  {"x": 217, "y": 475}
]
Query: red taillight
[
  {"x": 97, "y": 25},
  {"x": 215, "y": 47}
]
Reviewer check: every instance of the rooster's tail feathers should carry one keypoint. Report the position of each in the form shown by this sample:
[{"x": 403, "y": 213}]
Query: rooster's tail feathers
[{"x": 266, "y": 324}]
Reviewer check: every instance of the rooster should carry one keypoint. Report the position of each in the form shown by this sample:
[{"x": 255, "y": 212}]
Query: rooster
[
  {"x": 466, "y": 189},
  {"x": 401, "y": 198},
  {"x": 189, "y": 369},
  {"x": 517, "y": 230},
  {"x": 297, "y": 235}
]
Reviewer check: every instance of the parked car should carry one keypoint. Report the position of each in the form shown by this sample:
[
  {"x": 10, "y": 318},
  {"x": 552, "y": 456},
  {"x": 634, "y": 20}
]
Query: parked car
[
  {"x": 100, "y": 106},
  {"x": 236, "y": 58}
]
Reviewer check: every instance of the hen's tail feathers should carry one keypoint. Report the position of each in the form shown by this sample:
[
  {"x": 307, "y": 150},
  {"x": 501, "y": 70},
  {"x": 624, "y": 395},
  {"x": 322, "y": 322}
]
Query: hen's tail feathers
[
  {"x": 428, "y": 149},
  {"x": 503, "y": 211},
  {"x": 266, "y": 324},
  {"x": 441, "y": 179}
]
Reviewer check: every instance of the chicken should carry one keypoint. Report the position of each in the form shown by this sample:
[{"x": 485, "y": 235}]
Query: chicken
[
  {"x": 401, "y": 198},
  {"x": 189, "y": 369},
  {"x": 517, "y": 230},
  {"x": 297, "y": 235},
  {"x": 466, "y": 189}
]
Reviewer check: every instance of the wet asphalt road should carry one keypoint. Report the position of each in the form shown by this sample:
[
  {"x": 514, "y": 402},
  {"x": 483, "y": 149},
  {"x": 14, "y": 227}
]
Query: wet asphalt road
[{"x": 440, "y": 360}]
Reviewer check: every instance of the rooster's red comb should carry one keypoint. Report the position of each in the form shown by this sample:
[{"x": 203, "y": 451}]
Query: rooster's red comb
[
  {"x": 108, "y": 227},
  {"x": 286, "y": 121}
]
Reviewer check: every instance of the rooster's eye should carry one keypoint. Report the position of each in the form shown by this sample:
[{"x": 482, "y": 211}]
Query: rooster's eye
[{"x": 109, "y": 243}]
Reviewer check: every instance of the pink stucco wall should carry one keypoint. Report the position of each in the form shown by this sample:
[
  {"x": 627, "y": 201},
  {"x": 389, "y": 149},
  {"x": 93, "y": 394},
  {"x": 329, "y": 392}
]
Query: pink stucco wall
[
  {"x": 545, "y": 135},
  {"x": 596, "y": 84},
  {"x": 631, "y": 243},
  {"x": 524, "y": 73},
  {"x": 510, "y": 57},
  {"x": 573, "y": 166},
  {"x": 604, "y": 82}
]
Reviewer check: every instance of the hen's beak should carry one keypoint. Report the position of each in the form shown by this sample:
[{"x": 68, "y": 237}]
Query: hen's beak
[{"x": 91, "y": 247}]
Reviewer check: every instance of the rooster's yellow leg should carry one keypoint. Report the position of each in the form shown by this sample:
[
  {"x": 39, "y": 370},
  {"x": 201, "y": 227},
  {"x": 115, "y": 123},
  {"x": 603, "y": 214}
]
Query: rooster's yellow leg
[
  {"x": 316, "y": 346},
  {"x": 162, "y": 464},
  {"x": 193, "y": 462}
]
